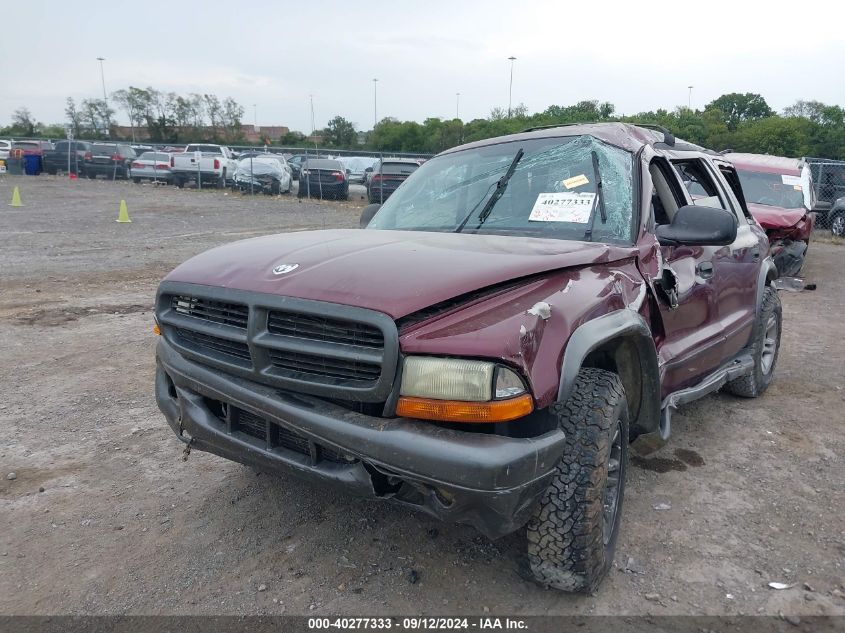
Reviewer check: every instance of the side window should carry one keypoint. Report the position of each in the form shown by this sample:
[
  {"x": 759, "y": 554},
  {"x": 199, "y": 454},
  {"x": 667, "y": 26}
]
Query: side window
[
  {"x": 666, "y": 195},
  {"x": 700, "y": 184}
]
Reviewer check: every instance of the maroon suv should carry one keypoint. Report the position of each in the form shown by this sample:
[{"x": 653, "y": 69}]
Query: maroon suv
[{"x": 517, "y": 314}]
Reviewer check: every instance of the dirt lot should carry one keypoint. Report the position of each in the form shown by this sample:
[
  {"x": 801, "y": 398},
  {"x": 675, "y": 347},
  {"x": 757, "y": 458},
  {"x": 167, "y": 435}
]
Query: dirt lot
[{"x": 123, "y": 525}]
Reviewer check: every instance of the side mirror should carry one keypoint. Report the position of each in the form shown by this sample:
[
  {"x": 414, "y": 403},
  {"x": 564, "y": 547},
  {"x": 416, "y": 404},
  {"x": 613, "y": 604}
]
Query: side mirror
[
  {"x": 367, "y": 215},
  {"x": 698, "y": 226},
  {"x": 369, "y": 169},
  {"x": 821, "y": 207},
  {"x": 348, "y": 172}
]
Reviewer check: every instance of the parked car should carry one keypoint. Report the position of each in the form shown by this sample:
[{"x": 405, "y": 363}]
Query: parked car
[
  {"x": 29, "y": 148},
  {"x": 323, "y": 178},
  {"x": 111, "y": 160},
  {"x": 355, "y": 167},
  {"x": 5, "y": 147},
  {"x": 296, "y": 161},
  {"x": 487, "y": 346},
  {"x": 829, "y": 181},
  {"x": 207, "y": 165},
  {"x": 263, "y": 173},
  {"x": 67, "y": 156},
  {"x": 153, "y": 166},
  {"x": 31, "y": 152},
  {"x": 780, "y": 195},
  {"x": 386, "y": 177}
]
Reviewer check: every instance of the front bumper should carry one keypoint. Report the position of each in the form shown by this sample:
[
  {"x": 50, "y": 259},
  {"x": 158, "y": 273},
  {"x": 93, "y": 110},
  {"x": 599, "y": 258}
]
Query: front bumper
[
  {"x": 788, "y": 256},
  {"x": 488, "y": 481}
]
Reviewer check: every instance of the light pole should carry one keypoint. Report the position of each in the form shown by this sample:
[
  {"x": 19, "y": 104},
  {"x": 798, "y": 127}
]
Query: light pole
[
  {"x": 458, "y": 105},
  {"x": 255, "y": 116},
  {"x": 105, "y": 99},
  {"x": 375, "y": 102},
  {"x": 689, "y": 99},
  {"x": 510, "y": 87}
]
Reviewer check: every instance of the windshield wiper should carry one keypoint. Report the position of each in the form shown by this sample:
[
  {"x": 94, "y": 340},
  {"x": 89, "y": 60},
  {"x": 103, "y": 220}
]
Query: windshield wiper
[
  {"x": 588, "y": 234},
  {"x": 500, "y": 189}
]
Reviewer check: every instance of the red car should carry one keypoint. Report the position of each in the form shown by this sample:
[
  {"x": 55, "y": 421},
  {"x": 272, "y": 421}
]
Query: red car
[
  {"x": 780, "y": 194},
  {"x": 485, "y": 349}
]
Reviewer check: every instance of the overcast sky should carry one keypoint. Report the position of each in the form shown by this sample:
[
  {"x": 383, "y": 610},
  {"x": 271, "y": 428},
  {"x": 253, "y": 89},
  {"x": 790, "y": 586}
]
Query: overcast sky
[{"x": 637, "y": 55}]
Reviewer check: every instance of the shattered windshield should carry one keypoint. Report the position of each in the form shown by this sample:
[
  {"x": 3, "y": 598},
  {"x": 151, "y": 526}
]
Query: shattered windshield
[
  {"x": 552, "y": 192},
  {"x": 774, "y": 190}
]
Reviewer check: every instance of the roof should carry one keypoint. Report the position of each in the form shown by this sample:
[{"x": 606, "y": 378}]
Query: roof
[
  {"x": 765, "y": 163},
  {"x": 623, "y": 135}
]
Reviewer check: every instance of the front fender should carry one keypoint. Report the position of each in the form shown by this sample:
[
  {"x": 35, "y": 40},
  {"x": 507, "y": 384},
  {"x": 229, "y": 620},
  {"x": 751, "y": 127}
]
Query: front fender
[{"x": 530, "y": 324}]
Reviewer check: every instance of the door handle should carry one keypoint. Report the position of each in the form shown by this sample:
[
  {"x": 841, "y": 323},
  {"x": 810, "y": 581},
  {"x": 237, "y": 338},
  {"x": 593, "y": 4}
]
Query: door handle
[{"x": 704, "y": 270}]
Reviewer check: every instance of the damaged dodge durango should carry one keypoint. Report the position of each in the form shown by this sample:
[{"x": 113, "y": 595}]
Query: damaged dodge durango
[{"x": 515, "y": 320}]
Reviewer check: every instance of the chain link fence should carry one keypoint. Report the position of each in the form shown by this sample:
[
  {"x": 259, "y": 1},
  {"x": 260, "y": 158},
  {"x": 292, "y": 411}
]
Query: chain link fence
[{"x": 829, "y": 183}]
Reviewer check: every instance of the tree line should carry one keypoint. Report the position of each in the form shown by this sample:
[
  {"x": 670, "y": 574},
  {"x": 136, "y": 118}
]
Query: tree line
[
  {"x": 154, "y": 115},
  {"x": 743, "y": 122},
  {"x": 740, "y": 121}
]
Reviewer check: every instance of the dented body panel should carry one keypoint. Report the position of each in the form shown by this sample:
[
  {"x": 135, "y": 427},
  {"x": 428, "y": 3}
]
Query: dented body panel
[{"x": 671, "y": 321}]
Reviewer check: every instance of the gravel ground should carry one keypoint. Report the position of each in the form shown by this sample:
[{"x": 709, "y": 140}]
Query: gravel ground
[{"x": 104, "y": 517}]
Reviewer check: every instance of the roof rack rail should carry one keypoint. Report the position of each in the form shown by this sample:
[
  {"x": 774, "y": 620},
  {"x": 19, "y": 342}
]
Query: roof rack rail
[
  {"x": 554, "y": 125},
  {"x": 668, "y": 137}
]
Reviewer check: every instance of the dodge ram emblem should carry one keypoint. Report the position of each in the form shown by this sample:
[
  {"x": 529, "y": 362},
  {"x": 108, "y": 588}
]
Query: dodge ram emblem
[{"x": 281, "y": 269}]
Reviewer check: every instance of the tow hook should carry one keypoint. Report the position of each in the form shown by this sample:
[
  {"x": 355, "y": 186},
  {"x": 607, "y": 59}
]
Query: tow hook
[{"x": 187, "y": 450}]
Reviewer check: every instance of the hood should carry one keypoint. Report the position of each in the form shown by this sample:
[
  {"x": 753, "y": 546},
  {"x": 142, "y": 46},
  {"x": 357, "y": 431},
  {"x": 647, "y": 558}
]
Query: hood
[
  {"x": 394, "y": 272},
  {"x": 775, "y": 217}
]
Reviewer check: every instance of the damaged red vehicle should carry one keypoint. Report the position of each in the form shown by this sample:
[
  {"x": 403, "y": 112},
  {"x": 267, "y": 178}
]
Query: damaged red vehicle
[
  {"x": 780, "y": 195},
  {"x": 520, "y": 314}
]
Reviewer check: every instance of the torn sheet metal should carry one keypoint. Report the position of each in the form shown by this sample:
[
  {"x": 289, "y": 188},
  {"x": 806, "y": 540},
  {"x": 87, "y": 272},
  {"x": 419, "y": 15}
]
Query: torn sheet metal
[{"x": 541, "y": 309}]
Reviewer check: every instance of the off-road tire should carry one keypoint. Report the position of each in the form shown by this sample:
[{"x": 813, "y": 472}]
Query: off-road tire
[
  {"x": 755, "y": 383},
  {"x": 569, "y": 547}
]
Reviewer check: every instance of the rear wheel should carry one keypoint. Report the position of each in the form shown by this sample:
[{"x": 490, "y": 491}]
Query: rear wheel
[
  {"x": 91, "y": 175},
  {"x": 137, "y": 181},
  {"x": 764, "y": 349},
  {"x": 837, "y": 224},
  {"x": 572, "y": 533}
]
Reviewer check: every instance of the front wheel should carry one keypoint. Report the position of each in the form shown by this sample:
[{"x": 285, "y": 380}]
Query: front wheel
[
  {"x": 764, "y": 348},
  {"x": 572, "y": 533},
  {"x": 137, "y": 181},
  {"x": 837, "y": 225}
]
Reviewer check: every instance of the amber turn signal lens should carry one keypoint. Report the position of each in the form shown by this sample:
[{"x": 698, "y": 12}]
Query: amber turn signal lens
[
  {"x": 156, "y": 330},
  {"x": 454, "y": 411}
]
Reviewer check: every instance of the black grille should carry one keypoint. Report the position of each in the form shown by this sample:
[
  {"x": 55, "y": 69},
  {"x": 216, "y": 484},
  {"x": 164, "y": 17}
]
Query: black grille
[
  {"x": 281, "y": 436},
  {"x": 337, "y": 369},
  {"x": 252, "y": 425},
  {"x": 319, "y": 328},
  {"x": 233, "y": 314},
  {"x": 216, "y": 344},
  {"x": 310, "y": 347}
]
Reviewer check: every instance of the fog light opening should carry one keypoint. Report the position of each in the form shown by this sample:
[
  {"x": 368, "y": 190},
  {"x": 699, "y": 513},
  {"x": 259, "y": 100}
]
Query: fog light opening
[{"x": 171, "y": 388}]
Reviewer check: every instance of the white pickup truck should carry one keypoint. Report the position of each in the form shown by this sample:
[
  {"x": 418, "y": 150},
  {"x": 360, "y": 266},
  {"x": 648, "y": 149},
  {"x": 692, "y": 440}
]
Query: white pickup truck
[{"x": 207, "y": 165}]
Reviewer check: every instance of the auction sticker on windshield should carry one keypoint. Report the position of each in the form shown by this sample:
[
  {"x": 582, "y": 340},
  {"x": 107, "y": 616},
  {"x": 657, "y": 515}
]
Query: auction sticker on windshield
[{"x": 564, "y": 206}]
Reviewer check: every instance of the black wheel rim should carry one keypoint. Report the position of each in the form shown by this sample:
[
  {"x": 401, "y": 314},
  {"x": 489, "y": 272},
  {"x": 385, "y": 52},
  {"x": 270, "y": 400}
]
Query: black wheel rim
[{"x": 615, "y": 477}]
